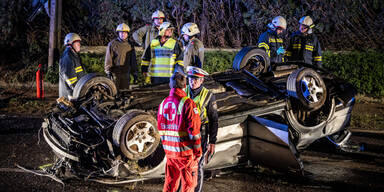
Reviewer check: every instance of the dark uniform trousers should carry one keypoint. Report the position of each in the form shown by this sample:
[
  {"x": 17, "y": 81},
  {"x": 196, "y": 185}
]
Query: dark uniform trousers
[{"x": 200, "y": 171}]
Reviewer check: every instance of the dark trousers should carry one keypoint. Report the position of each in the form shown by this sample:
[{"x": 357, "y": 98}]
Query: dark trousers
[
  {"x": 122, "y": 80},
  {"x": 159, "y": 80},
  {"x": 200, "y": 171}
]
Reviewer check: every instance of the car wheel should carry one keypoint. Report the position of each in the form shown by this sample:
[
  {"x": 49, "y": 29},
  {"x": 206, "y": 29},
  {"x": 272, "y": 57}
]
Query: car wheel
[
  {"x": 136, "y": 134},
  {"x": 96, "y": 86},
  {"x": 308, "y": 87},
  {"x": 252, "y": 59},
  {"x": 312, "y": 123}
]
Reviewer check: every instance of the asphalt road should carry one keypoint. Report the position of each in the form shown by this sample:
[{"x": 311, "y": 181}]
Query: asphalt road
[{"x": 325, "y": 169}]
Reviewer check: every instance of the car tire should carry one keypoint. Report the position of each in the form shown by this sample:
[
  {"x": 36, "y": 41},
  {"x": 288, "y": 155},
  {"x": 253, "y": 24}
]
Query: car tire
[
  {"x": 299, "y": 128},
  {"x": 308, "y": 87},
  {"x": 136, "y": 134},
  {"x": 87, "y": 86},
  {"x": 252, "y": 59}
]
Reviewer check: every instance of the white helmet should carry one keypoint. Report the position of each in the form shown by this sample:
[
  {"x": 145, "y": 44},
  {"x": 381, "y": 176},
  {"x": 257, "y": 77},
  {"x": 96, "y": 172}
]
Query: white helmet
[
  {"x": 196, "y": 72},
  {"x": 158, "y": 14},
  {"x": 307, "y": 21},
  {"x": 123, "y": 27},
  {"x": 190, "y": 29},
  {"x": 164, "y": 26},
  {"x": 70, "y": 38},
  {"x": 278, "y": 22}
]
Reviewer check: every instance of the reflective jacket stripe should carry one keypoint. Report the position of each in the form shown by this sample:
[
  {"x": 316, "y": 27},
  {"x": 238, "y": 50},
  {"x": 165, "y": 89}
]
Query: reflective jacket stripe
[
  {"x": 72, "y": 80},
  {"x": 296, "y": 46},
  {"x": 161, "y": 107},
  {"x": 174, "y": 133},
  {"x": 78, "y": 69},
  {"x": 273, "y": 40},
  {"x": 144, "y": 63},
  {"x": 317, "y": 58},
  {"x": 162, "y": 59},
  {"x": 181, "y": 105},
  {"x": 266, "y": 47},
  {"x": 181, "y": 148},
  {"x": 201, "y": 101},
  {"x": 308, "y": 47},
  {"x": 173, "y": 138},
  {"x": 194, "y": 137},
  {"x": 179, "y": 62}
]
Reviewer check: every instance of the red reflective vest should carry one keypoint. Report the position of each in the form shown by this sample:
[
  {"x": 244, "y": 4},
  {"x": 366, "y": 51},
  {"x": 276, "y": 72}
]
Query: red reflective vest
[{"x": 178, "y": 122}]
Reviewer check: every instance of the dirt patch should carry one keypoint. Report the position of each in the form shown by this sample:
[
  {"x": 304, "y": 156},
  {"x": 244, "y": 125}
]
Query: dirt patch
[
  {"x": 20, "y": 99},
  {"x": 368, "y": 115}
]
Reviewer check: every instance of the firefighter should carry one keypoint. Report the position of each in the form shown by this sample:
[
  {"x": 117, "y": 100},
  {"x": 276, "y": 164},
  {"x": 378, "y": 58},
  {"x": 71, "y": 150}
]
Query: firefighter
[
  {"x": 162, "y": 56},
  {"x": 179, "y": 128},
  {"x": 193, "y": 47},
  {"x": 147, "y": 33},
  {"x": 120, "y": 59},
  {"x": 206, "y": 103},
  {"x": 271, "y": 41},
  {"x": 304, "y": 45},
  {"x": 70, "y": 67}
]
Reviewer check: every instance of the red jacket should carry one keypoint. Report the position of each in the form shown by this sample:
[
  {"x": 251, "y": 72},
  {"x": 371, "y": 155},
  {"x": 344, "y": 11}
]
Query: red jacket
[{"x": 178, "y": 122}]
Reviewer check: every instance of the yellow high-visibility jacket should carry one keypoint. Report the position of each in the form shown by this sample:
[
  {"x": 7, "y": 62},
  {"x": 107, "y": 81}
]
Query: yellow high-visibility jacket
[{"x": 160, "y": 60}]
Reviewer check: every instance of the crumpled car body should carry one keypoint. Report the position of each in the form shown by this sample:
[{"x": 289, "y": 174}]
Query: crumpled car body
[{"x": 267, "y": 112}]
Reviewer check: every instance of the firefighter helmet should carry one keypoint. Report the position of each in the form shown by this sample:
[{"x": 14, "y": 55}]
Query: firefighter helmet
[
  {"x": 190, "y": 29},
  {"x": 123, "y": 27},
  {"x": 70, "y": 38},
  {"x": 308, "y": 22},
  {"x": 279, "y": 22},
  {"x": 164, "y": 26},
  {"x": 158, "y": 15}
]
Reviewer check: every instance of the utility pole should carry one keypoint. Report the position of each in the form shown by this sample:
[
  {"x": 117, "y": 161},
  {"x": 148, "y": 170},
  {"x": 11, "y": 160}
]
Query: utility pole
[{"x": 55, "y": 10}]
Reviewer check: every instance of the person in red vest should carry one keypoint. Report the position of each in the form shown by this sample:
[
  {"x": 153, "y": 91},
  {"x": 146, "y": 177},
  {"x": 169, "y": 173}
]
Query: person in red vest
[{"x": 178, "y": 122}]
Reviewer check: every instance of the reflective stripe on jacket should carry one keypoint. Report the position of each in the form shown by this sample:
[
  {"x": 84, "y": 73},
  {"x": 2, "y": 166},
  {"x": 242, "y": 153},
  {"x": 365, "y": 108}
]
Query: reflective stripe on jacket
[
  {"x": 160, "y": 60},
  {"x": 270, "y": 42},
  {"x": 305, "y": 48},
  {"x": 178, "y": 123},
  {"x": 201, "y": 101},
  {"x": 70, "y": 72}
]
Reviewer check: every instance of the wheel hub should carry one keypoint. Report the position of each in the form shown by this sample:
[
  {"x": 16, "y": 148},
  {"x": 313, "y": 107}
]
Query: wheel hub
[
  {"x": 311, "y": 90},
  {"x": 140, "y": 137}
]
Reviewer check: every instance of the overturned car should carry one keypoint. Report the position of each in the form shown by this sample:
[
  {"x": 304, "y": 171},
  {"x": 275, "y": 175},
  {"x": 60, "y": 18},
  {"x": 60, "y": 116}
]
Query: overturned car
[{"x": 267, "y": 114}]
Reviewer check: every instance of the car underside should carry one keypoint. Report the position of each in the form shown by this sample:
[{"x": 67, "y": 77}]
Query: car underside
[{"x": 267, "y": 112}]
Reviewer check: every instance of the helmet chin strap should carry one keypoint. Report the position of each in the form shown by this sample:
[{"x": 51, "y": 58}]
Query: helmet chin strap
[
  {"x": 272, "y": 26},
  {"x": 73, "y": 49}
]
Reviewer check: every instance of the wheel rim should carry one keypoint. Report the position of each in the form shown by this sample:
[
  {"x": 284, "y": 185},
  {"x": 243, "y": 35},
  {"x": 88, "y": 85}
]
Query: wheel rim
[
  {"x": 140, "y": 138},
  {"x": 255, "y": 64},
  {"x": 311, "y": 89}
]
